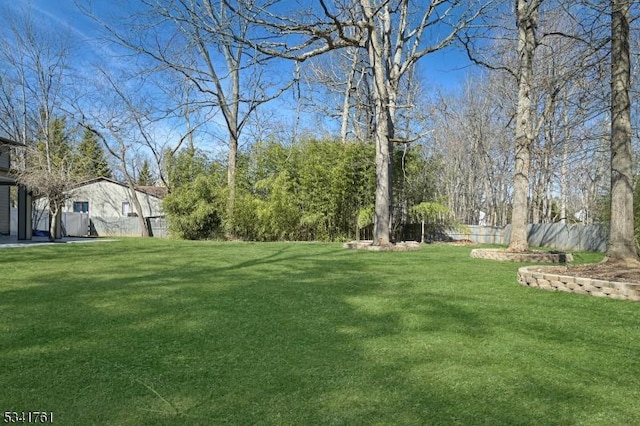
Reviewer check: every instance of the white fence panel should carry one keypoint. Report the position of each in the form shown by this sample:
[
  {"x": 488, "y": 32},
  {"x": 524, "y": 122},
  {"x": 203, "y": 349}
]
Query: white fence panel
[
  {"x": 13, "y": 224},
  {"x": 116, "y": 226},
  {"x": 127, "y": 226},
  {"x": 75, "y": 224},
  {"x": 82, "y": 225},
  {"x": 158, "y": 227},
  {"x": 41, "y": 220}
]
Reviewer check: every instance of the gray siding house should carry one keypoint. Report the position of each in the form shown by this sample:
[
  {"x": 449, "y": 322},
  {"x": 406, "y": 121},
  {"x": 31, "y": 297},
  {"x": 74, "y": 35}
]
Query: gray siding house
[
  {"x": 106, "y": 198},
  {"x": 105, "y": 207}
]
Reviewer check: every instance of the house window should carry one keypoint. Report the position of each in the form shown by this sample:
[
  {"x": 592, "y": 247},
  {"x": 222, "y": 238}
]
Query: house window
[
  {"x": 126, "y": 208},
  {"x": 81, "y": 207}
]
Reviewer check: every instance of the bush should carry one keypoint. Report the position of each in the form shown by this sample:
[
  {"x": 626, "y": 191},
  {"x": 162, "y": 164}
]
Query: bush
[
  {"x": 308, "y": 191},
  {"x": 195, "y": 209}
]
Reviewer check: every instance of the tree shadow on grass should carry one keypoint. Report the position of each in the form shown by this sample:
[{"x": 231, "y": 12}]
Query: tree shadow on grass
[{"x": 283, "y": 335}]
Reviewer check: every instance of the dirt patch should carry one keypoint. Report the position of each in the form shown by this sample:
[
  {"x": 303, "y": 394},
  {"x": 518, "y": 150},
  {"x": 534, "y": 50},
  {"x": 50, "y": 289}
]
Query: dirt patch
[{"x": 606, "y": 271}]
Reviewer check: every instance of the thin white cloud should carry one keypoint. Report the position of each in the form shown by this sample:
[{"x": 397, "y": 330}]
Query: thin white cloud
[{"x": 64, "y": 14}]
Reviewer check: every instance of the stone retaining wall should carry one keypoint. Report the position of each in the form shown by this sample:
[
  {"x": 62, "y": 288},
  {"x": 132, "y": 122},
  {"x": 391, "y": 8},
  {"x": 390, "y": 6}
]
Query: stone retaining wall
[
  {"x": 527, "y": 257},
  {"x": 367, "y": 245},
  {"x": 593, "y": 287}
]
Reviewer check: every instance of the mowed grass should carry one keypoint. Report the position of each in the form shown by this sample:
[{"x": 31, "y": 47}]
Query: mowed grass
[{"x": 169, "y": 332}]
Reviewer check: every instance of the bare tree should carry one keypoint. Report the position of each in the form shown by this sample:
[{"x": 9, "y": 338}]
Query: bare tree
[
  {"x": 34, "y": 91},
  {"x": 475, "y": 149},
  {"x": 122, "y": 125},
  {"x": 196, "y": 39},
  {"x": 50, "y": 182},
  {"x": 558, "y": 95},
  {"x": 391, "y": 56},
  {"x": 395, "y": 34},
  {"x": 343, "y": 90},
  {"x": 35, "y": 78},
  {"x": 172, "y": 119},
  {"x": 527, "y": 21},
  {"x": 568, "y": 90}
]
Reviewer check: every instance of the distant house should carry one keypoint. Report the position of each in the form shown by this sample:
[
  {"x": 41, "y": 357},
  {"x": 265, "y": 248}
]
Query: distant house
[
  {"x": 103, "y": 206},
  {"x": 106, "y": 198},
  {"x": 24, "y": 198}
]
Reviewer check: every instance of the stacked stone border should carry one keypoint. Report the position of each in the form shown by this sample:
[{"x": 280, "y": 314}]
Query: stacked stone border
[
  {"x": 367, "y": 245},
  {"x": 530, "y": 277},
  {"x": 529, "y": 257}
]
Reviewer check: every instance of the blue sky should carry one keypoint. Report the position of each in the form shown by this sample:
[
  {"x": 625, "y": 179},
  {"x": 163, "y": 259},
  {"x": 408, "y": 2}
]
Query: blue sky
[
  {"x": 441, "y": 70},
  {"x": 64, "y": 15},
  {"x": 57, "y": 12},
  {"x": 446, "y": 69}
]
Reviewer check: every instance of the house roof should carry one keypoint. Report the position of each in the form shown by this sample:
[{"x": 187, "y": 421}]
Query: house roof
[
  {"x": 5, "y": 141},
  {"x": 154, "y": 191}
]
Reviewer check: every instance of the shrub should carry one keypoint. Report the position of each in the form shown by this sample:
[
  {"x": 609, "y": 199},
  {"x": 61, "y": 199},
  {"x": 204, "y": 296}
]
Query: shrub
[{"x": 195, "y": 209}]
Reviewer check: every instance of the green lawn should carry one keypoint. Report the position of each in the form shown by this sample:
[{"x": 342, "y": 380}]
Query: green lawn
[{"x": 171, "y": 332}]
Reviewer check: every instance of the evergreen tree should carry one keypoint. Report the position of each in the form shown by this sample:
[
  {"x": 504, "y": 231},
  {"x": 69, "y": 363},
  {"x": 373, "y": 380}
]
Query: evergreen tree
[
  {"x": 90, "y": 159},
  {"x": 145, "y": 177},
  {"x": 56, "y": 148}
]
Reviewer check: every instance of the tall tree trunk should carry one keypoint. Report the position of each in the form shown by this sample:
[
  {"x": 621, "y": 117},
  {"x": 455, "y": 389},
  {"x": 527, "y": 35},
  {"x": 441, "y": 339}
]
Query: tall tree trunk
[
  {"x": 383, "y": 136},
  {"x": 231, "y": 185},
  {"x": 55, "y": 219},
  {"x": 383, "y": 200},
  {"x": 563, "y": 168},
  {"x": 527, "y": 14},
  {"x": 346, "y": 102},
  {"x": 144, "y": 229},
  {"x": 622, "y": 242}
]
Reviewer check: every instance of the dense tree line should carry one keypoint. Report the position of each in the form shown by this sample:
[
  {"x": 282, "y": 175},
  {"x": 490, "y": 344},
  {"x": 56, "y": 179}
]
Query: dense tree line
[{"x": 311, "y": 190}]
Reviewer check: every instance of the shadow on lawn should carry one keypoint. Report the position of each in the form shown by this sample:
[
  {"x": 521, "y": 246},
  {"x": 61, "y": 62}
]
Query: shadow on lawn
[{"x": 299, "y": 335}]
